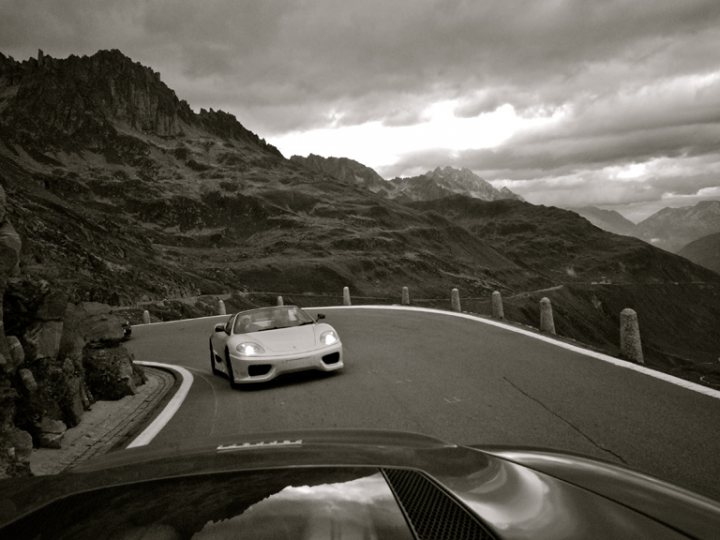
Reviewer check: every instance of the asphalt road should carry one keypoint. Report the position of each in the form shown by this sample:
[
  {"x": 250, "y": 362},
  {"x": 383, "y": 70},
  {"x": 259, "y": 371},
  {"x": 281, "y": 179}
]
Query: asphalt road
[{"x": 458, "y": 380}]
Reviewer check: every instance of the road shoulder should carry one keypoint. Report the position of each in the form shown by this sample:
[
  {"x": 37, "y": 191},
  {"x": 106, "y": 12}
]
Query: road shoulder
[{"x": 108, "y": 425}]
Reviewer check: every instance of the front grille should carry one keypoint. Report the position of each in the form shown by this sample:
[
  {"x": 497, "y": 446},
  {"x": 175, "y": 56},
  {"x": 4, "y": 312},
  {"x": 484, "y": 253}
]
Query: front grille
[
  {"x": 432, "y": 513},
  {"x": 255, "y": 370},
  {"x": 332, "y": 358}
]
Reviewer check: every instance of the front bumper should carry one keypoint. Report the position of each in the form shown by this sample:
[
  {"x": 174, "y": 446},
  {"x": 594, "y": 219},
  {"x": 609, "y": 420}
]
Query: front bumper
[{"x": 262, "y": 368}]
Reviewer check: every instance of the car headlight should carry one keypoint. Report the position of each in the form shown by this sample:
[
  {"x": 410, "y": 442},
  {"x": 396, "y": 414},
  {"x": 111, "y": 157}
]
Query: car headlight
[
  {"x": 249, "y": 349},
  {"x": 328, "y": 338}
]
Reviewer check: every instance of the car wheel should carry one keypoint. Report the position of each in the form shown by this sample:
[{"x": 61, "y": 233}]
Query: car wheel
[
  {"x": 230, "y": 374},
  {"x": 215, "y": 371}
]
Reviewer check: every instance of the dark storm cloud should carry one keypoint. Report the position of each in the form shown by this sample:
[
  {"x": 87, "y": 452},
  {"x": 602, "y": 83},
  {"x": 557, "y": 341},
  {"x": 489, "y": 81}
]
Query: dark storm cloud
[
  {"x": 321, "y": 55},
  {"x": 620, "y": 71}
]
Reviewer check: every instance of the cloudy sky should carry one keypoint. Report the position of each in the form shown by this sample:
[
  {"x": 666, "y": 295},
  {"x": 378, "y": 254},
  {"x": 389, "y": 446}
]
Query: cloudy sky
[{"x": 601, "y": 102}]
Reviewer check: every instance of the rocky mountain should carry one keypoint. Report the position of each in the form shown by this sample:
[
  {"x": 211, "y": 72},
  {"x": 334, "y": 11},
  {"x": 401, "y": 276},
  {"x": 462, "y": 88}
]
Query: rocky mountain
[
  {"x": 608, "y": 220},
  {"x": 122, "y": 193},
  {"x": 445, "y": 182},
  {"x": 704, "y": 251},
  {"x": 348, "y": 170},
  {"x": 673, "y": 228},
  {"x": 435, "y": 184}
]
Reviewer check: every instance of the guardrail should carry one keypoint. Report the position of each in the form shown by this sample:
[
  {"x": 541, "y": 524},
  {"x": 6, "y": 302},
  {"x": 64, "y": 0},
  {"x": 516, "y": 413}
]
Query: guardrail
[{"x": 630, "y": 341}]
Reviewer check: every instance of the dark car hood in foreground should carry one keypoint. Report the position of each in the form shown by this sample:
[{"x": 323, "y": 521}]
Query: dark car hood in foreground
[{"x": 349, "y": 484}]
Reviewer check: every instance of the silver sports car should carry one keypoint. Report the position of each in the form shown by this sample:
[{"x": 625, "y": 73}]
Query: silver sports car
[{"x": 259, "y": 344}]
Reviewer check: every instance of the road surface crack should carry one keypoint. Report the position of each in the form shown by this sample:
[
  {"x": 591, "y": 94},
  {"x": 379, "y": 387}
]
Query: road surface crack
[{"x": 566, "y": 421}]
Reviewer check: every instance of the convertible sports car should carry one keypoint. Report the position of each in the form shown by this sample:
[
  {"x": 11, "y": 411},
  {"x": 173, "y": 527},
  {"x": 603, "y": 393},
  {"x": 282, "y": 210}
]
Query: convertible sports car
[
  {"x": 350, "y": 484},
  {"x": 259, "y": 344}
]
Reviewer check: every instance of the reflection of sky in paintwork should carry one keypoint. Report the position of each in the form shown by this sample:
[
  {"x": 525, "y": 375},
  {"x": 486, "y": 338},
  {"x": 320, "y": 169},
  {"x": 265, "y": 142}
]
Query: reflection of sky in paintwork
[{"x": 363, "y": 508}]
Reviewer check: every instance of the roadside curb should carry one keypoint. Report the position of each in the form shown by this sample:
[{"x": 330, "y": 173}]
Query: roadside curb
[{"x": 107, "y": 425}]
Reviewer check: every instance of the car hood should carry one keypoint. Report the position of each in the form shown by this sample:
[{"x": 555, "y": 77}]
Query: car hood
[
  {"x": 303, "y": 473},
  {"x": 284, "y": 340}
]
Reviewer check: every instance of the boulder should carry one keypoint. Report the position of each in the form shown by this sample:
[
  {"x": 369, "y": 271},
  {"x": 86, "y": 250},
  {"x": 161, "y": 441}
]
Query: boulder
[
  {"x": 103, "y": 330},
  {"x": 9, "y": 249},
  {"x": 42, "y": 340},
  {"x": 53, "y": 306},
  {"x": 28, "y": 380},
  {"x": 17, "y": 354},
  {"x": 110, "y": 372},
  {"x": 23, "y": 444},
  {"x": 50, "y": 432}
]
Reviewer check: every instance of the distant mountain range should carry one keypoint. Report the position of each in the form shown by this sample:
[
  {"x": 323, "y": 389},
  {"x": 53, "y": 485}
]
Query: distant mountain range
[
  {"x": 669, "y": 228},
  {"x": 704, "y": 251},
  {"x": 673, "y": 228},
  {"x": 121, "y": 192},
  {"x": 435, "y": 184},
  {"x": 608, "y": 220}
]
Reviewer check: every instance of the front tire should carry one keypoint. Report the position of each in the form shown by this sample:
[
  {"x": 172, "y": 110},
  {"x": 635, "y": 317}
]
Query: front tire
[
  {"x": 215, "y": 371},
  {"x": 231, "y": 376}
]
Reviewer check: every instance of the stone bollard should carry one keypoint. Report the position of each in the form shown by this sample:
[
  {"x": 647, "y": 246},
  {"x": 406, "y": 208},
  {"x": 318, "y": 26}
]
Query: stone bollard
[
  {"x": 280, "y": 301},
  {"x": 146, "y": 317},
  {"x": 221, "y": 308},
  {"x": 497, "y": 305},
  {"x": 346, "y": 296},
  {"x": 455, "y": 300},
  {"x": 630, "y": 344},
  {"x": 546, "y": 316},
  {"x": 405, "y": 296}
]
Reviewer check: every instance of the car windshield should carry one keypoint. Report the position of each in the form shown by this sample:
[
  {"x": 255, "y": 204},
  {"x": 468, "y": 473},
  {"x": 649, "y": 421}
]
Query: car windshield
[{"x": 271, "y": 318}]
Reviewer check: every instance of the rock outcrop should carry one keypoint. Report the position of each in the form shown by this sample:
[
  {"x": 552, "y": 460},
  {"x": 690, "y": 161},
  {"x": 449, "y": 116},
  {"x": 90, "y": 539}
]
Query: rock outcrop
[
  {"x": 445, "y": 182},
  {"x": 44, "y": 342},
  {"x": 12, "y": 460}
]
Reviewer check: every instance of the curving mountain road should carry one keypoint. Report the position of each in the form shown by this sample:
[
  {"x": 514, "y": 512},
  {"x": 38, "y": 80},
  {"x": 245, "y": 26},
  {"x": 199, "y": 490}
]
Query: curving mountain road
[{"x": 456, "y": 379}]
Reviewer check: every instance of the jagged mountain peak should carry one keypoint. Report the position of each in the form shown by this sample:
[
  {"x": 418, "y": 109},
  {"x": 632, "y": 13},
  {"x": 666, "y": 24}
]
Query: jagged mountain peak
[
  {"x": 447, "y": 181},
  {"x": 88, "y": 101}
]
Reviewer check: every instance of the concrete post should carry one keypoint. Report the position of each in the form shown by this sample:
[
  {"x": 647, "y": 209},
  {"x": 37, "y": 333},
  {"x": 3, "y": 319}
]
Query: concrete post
[
  {"x": 455, "y": 300},
  {"x": 221, "y": 308},
  {"x": 146, "y": 317},
  {"x": 405, "y": 296},
  {"x": 280, "y": 301},
  {"x": 547, "y": 324},
  {"x": 497, "y": 306},
  {"x": 630, "y": 344},
  {"x": 346, "y": 296}
]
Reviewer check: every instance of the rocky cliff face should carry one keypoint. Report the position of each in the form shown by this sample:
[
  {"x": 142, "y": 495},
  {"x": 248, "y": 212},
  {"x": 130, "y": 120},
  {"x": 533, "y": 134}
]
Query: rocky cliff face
[
  {"x": 46, "y": 348},
  {"x": 50, "y": 104},
  {"x": 14, "y": 445}
]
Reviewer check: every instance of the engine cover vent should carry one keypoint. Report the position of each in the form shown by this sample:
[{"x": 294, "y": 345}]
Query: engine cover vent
[{"x": 431, "y": 512}]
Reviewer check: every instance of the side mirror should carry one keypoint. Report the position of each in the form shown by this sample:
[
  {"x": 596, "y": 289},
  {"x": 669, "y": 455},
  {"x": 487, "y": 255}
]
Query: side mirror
[
  {"x": 320, "y": 316},
  {"x": 219, "y": 327}
]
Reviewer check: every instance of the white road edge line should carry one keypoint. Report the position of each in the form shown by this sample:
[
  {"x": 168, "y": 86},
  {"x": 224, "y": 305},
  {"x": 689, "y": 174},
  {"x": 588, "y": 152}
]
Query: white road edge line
[
  {"x": 599, "y": 356},
  {"x": 149, "y": 433}
]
